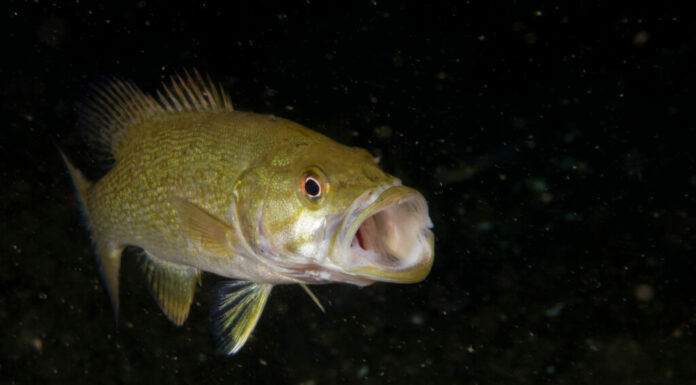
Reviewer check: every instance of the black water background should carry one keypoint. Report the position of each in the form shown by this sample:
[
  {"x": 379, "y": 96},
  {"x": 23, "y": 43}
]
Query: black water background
[{"x": 554, "y": 143}]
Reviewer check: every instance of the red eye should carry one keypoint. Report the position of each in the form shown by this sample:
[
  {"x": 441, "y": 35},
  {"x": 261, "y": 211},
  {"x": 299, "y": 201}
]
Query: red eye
[{"x": 312, "y": 188}]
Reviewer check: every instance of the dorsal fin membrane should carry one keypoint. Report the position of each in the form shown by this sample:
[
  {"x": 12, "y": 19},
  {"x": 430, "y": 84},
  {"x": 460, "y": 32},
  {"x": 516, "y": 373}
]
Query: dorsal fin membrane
[
  {"x": 192, "y": 93},
  {"x": 111, "y": 108}
]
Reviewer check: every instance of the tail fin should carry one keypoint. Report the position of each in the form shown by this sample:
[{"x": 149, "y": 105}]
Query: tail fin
[
  {"x": 108, "y": 255},
  {"x": 79, "y": 181}
]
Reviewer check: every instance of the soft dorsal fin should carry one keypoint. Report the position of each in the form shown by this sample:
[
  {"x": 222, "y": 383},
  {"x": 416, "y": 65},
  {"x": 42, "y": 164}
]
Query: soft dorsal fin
[
  {"x": 236, "y": 311},
  {"x": 173, "y": 286},
  {"x": 113, "y": 106}
]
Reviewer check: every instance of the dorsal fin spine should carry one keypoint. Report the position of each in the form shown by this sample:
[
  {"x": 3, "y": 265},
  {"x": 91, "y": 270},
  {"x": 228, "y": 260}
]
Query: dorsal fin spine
[
  {"x": 195, "y": 92},
  {"x": 209, "y": 91},
  {"x": 114, "y": 108},
  {"x": 191, "y": 98}
]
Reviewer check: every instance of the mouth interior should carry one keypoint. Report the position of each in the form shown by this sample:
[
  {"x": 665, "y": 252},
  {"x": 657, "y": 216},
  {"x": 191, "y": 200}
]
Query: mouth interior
[{"x": 394, "y": 238}]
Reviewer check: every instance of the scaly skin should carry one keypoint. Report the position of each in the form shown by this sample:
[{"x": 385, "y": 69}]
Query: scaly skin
[
  {"x": 201, "y": 187},
  {"x": 218, "y": 161}
]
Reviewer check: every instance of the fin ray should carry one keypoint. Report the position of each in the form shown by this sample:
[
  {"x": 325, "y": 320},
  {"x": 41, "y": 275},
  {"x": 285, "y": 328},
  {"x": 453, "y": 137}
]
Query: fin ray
[
  {"x": 313, "y": 297},
  {"x": 206, "y": 231},
  {"x": 237, "y": 310},
  {"x": 173, "y": 286},
  {"x": 111, "y": 108},
  {"x": 108, "y": 256},
  {"x": 109, "y": 263},
  {"x": 79, "y": 180}
]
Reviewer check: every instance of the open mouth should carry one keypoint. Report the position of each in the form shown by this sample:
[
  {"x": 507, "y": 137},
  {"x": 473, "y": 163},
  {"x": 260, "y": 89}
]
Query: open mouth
[{"x": 390, "y": 237}]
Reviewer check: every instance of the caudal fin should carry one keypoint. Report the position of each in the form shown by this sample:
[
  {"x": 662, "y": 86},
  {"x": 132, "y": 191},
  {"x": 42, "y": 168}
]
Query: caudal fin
[
  {"x": 108, "y": 254},
  {"x": 79, "y": 181}
]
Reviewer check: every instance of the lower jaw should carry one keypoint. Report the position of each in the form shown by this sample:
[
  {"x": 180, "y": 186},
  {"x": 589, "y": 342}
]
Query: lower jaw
[
  {"x": 407, "y": 274},
  {"x": 387, "y": 271}
]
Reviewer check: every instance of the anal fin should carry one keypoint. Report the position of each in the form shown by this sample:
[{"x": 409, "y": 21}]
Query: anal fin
[
  {"x": 172, "y": 285},
  {"x": 237, "y": 310}
]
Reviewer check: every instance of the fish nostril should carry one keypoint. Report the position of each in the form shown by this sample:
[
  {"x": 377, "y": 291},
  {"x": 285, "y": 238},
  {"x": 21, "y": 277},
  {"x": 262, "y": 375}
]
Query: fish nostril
[{"x": 372, "y": 173}]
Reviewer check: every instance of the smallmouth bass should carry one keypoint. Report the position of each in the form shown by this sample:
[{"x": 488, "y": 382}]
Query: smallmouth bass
[{"x": 199, "y": 186}]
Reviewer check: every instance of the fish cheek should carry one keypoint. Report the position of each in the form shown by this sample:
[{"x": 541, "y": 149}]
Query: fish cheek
[
  {"x": 266, "y": 207},
  {"x": 269, "y": 205},
  {"x": 281, "y": 209},
  {"x": 249, "y": 192},
  {"x": 289, "y": 219}
]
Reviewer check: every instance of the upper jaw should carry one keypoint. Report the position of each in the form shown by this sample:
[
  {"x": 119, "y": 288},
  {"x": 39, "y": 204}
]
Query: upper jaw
[{"x": 385, "y": 236}]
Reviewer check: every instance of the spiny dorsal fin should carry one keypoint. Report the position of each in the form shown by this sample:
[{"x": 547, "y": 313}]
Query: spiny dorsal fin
[
  {"x": 192, "y": 93},
  {"x": 113, "y": 106},
  {"x": 173, "y": 286},
  {"x": 236, "y": 311},
  {"x": 109, "y": 108}
]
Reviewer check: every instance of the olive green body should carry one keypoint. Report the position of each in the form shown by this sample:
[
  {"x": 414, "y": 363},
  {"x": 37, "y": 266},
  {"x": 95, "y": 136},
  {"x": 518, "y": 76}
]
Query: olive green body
[
  {"x": 233, "y": 165},
  {"x": 259, "y": 199}
]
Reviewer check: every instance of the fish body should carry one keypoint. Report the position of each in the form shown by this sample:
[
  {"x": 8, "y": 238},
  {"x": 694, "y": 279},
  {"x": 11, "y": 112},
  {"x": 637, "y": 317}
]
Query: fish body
[{"x": 199, "y": 186}]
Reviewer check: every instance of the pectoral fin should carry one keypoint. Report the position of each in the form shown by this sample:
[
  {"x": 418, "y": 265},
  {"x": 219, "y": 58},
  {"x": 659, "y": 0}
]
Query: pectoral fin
[
  {"x": 204, "y": 230},
  {"x": 172, "y": 285},
  {"x": 237, "y": 309}
]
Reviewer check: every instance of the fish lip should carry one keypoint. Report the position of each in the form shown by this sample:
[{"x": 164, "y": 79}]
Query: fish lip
[{"x": 379, "y": 209}]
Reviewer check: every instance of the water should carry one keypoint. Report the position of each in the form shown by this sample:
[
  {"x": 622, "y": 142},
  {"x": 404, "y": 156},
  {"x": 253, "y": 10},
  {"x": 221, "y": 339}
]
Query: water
[{"x": 554, "y": 144}]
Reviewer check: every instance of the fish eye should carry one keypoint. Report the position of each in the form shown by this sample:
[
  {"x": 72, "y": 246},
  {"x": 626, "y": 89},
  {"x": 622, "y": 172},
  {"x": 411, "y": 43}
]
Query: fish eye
[{"x": 312, "y": 188}]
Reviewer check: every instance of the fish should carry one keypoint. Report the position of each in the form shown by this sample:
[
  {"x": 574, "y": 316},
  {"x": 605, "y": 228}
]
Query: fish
[{"x": 198, "y": 186}]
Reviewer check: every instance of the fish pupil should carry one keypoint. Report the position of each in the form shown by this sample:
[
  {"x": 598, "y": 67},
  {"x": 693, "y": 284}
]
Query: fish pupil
[{"x": 312, "y": 187}]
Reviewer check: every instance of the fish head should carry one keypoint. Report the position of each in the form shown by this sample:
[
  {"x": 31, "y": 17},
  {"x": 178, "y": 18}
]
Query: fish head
[{"x": 330, "y": 214}]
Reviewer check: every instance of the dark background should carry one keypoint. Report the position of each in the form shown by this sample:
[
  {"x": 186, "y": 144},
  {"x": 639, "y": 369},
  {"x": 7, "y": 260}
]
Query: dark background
[{"x": 554, "y": 142}]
